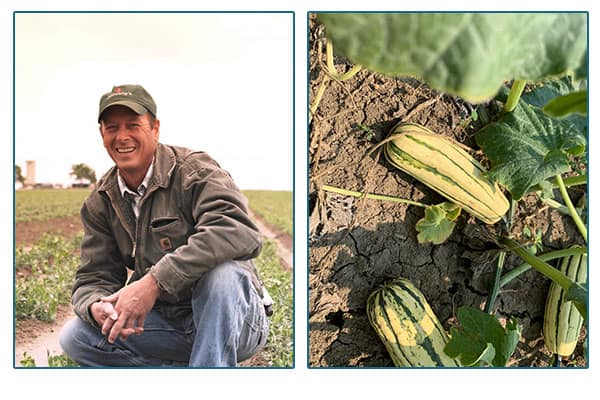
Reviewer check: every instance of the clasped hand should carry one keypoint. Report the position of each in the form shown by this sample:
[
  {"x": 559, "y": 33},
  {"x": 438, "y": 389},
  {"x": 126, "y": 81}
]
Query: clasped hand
[{"x": 123, "y": 313}]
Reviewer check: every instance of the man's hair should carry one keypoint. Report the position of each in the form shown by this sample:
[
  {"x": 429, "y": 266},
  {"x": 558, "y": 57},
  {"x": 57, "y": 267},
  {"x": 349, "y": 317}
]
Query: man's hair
[{"x": 151, "y": 119}]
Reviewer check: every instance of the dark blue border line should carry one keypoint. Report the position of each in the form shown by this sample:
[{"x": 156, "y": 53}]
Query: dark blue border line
[
  {"x": 308, "y": 44},
  {"x": 451, "y": 12},
  {"x": 293, "y": 14},
  {"x": 587, "y": 202}
]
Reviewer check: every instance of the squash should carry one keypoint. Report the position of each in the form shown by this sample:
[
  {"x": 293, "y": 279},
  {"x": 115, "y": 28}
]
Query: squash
[
  {"x": 407, "y": 326},
  {"x": 442, "y": 164}
]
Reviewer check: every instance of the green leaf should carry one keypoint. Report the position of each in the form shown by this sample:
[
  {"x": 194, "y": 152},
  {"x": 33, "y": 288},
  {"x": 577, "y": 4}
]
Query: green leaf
[
  {"x": 482, "y": 340},
  {"x": 572, "y": 103},
  {"x": 551, "y": 88},
  {"x": 452, "y": 210},
  {"x": 546, "y": 191},
  {"x": 526, "y": 147},
  {"x": 465, "y": 54},
  {"x": 513, "y": 334},
  {"x": 578, "y": 295},
  {"x": 438, "y": 223}
]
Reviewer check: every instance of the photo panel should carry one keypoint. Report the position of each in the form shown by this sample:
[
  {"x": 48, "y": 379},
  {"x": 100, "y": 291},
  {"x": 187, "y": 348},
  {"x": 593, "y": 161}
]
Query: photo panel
[
  {"x": 447, "y": 189},
  {"x": 221, "y": 86}
]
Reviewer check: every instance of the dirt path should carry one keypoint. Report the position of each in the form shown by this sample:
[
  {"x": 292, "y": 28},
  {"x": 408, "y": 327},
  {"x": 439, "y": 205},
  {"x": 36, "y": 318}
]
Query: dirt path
[
  {"x": 284, "y": 241},
  {"x": 38, "y": 339}
]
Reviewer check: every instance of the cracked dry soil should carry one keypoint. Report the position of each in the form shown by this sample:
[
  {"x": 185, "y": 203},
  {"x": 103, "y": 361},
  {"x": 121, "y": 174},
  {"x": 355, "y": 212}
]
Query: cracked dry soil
[{"x": 356, "y": 244}]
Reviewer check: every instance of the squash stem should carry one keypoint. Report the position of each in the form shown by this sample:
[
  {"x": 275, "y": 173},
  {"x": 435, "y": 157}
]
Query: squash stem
[
  {"x": 318, "y": 97},
  {"x": 568, "y": 182},
  {"x": 578, "y": 221},
  {"x": 331, "y": 74},
  {"x": 489, "y": 305},
  {"x": 557, "y": 206},
  {"x": 514, "y": 95},
  {"x": 557, "y": 361},
  {"x": 513, "y": 273},
  {"x": 331, "y": 68},
  {"x": 544, "y": 268},
  {"x": 346, "y": 192},
  {"x": 499, "y": 265}
]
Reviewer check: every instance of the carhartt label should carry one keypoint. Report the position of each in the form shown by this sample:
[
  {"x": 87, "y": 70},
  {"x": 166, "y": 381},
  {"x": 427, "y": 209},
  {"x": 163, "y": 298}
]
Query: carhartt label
[{"x": 165, "y": 244}]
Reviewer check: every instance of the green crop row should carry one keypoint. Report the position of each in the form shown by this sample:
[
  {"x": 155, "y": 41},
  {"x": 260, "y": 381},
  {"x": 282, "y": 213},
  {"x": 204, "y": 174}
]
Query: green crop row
[
  {"x": 44, "y": 204},
  {"x": 280, "y": 344},
  {"x": 59, "y": 360},
  {"x": 274, "y": 206},
  {"x": 46, "y": 273},
  {"x": 45, "y": 276}
]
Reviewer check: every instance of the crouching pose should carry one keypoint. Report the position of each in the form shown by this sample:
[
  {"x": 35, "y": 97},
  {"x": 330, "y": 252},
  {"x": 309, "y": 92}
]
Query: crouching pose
[{"x": 166, "y": 274}]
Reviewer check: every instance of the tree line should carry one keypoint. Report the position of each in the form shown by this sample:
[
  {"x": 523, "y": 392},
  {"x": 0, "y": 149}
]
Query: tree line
[{"x": 78, "y": 171}]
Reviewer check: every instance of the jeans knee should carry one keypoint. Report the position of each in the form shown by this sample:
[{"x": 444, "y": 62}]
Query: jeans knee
[
  {"x": 70, "y": 338},
  {"x": 227, "y": 284},
  {"x": 224, "y": 278}
]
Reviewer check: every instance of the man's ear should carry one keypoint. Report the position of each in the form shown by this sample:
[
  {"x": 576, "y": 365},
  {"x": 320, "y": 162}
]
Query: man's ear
[{"x": 156, "y": 129}]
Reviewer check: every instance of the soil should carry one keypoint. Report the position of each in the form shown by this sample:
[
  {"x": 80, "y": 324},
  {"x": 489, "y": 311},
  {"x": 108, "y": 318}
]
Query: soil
[
  {"x": 356, "y": 244},
  {"x": 283, "y": 239},
  {"x": 27, "y": 233},
  {"x": 38, "y": 339}
]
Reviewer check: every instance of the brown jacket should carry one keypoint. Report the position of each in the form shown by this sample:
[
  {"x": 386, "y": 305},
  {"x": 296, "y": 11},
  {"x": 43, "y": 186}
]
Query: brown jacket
[{"x": 192, "y": 218}]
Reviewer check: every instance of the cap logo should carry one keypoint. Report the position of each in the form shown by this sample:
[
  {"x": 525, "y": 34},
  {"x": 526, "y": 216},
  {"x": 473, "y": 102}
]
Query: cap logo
[
  {"x": 117, "y": 90},
  {"x": 119, "y": 93}
]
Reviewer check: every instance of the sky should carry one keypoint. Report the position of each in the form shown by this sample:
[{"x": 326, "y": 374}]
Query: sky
[{"x": 222, "y": 82}]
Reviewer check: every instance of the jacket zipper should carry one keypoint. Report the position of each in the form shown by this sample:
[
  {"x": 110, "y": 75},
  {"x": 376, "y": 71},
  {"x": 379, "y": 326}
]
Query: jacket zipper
[{"x": 151, "y": 189}]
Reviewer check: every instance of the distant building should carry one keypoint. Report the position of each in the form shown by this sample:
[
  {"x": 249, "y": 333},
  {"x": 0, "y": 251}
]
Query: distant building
[
  {"x": 81, "y": 183},
  {"x": 30, "y": 179},
  {"x": 44, "y": 186}
]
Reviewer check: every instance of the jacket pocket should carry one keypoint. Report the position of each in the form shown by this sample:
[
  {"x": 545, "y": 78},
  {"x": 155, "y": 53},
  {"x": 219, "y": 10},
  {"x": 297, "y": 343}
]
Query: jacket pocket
[
  {"x": 163, "y": 223},
  {"x": 168, "y": 232}
]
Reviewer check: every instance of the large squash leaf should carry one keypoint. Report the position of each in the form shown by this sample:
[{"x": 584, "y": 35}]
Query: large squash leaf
[
  {"x": 526, "y": 146},
  {"x": 481, "y": 340},
  {"x": 563, "y": 106},
  {"x": 555, "y": 97},
  {"x": 465, "y": 54}
]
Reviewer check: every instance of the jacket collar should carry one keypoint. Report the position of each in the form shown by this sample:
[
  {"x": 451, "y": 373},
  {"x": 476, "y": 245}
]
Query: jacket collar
[
  {"x": 140, "y": 190},
  {"x": 164, "y": 164}
]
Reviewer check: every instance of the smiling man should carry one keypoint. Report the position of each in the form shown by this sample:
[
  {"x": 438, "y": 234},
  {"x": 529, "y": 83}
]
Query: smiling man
[{"x": 166, "y": 274}]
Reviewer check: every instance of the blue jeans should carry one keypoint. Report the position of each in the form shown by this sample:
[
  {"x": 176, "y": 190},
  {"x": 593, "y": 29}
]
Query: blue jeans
[{"x": 227, "y": 325}]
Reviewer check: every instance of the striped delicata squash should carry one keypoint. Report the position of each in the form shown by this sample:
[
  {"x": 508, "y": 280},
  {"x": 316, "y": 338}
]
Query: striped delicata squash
[
  {"x": 443, "y": 165},
  {"x": 562, "y": 320},
  {"x": 407, "y": 326}
]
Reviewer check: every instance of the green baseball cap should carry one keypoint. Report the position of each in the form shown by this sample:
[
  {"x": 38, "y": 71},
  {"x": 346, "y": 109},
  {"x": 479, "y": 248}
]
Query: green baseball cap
[{"x": 134, "y": 97}]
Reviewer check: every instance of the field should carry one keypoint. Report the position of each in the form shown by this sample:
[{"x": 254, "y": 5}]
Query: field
[
  {"x": 44, "y": 204},
  {"x": 47, "y": 255},
  {"x": 275, "y": 207}
]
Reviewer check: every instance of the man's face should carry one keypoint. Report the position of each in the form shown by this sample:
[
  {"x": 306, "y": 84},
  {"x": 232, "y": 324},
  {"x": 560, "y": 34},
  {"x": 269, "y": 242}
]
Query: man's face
[{"x": 129, "y": 138}]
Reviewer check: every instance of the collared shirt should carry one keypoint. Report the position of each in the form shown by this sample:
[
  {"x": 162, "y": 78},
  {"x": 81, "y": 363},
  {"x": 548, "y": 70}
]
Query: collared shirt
[{"x": 135, "y": 196}]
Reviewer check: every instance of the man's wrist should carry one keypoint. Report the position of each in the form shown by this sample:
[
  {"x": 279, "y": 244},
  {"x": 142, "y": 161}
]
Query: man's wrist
[{"x": 153, "y": 282}]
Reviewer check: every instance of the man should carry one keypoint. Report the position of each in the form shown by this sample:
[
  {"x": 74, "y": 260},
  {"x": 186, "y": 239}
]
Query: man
[{"x": 166, "y": 274}]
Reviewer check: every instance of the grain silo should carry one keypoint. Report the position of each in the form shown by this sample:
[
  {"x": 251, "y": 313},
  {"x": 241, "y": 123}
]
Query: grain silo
[{"x": 29, "y": 173}]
